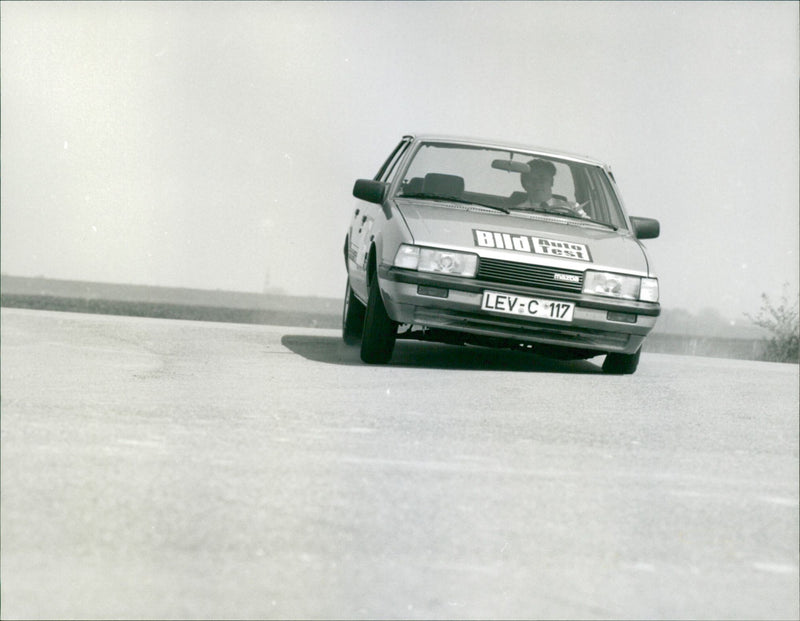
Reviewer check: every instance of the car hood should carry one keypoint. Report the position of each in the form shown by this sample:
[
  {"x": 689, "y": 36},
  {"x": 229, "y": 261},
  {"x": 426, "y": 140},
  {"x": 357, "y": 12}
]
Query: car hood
[{"x": 535, "y": 239}]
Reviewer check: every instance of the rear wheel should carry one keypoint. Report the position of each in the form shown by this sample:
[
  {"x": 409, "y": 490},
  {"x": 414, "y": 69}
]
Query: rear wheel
[
  {"x": 621, "y": 364},
  {"x": 352, "y": 317},
  {"x": 380, "y": 332}
]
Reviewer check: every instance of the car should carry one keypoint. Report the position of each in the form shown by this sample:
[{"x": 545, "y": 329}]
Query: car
[{"x": 453, "y": 241}]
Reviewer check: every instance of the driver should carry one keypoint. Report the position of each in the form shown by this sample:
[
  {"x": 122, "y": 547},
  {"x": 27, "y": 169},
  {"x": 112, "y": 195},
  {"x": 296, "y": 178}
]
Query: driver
[{"x": 538, "y": 183}]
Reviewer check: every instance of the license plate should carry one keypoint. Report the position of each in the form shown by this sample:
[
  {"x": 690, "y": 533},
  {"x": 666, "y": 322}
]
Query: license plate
[{"x": 527, "y": 307}]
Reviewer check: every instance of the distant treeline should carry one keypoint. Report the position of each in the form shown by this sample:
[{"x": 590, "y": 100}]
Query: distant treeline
[
  {"x": 677, "y": 332},
  {"x": 169, "y": 302},
  {"x": 163, "y": 310},
  {"x": 711, "y": 346}
]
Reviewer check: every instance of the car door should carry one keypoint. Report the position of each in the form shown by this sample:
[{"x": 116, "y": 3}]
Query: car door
[{"x": 365, "y": 216}]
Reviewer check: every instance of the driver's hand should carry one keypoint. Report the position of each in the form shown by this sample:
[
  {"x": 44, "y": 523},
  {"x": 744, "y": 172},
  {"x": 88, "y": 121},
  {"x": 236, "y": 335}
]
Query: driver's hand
[{"x": 574, "y": 207}]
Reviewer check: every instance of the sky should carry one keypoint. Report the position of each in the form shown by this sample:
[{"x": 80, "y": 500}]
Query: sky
[{"x": 214, "y": 145}]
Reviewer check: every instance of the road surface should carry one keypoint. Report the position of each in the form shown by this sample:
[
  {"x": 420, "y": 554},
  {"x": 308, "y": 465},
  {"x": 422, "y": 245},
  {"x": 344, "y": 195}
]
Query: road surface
[{"x": 174, "y": 469}]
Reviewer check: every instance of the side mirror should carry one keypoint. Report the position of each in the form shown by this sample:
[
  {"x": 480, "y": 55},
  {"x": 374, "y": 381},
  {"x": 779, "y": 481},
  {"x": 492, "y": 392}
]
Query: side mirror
[
  {"x": 645, "y": 228},
  {"x": 369, "y": 190}
]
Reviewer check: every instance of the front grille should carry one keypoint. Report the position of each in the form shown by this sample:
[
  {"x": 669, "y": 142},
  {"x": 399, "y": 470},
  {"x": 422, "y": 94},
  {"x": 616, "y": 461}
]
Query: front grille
[{"x": 494, "y": 270}]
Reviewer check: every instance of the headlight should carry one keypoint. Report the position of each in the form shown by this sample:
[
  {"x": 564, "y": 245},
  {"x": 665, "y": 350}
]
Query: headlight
[
  {"x": 618, "y": 286},
  {"x": 437, "y": 261}
]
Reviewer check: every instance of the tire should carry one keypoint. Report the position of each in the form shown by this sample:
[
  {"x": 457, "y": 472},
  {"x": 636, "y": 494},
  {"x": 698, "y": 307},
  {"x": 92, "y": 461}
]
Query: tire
[
  {"x": 621, "y": 364},
  {"x": 380, "y": 332},
  {"x": 352, "y": 317}
]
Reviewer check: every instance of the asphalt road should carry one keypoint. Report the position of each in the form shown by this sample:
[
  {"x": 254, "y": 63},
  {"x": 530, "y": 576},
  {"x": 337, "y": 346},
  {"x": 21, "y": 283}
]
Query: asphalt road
[{"x": 173, "y": 469}]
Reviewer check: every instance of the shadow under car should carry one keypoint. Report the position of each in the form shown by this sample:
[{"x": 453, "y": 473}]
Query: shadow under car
[{"x": 332, "y": 350}]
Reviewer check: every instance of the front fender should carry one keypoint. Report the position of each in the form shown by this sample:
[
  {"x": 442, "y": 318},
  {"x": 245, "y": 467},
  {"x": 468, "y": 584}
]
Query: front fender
[
  {"x": 391, "y": 231},
  {"x": 384, "y": 240}
]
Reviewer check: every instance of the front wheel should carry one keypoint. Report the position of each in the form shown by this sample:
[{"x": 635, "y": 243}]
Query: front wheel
[
  {"x": 352, "y": 317},
  {"x": 380, "y": 332},
  {"x": 621, "y": 364}
]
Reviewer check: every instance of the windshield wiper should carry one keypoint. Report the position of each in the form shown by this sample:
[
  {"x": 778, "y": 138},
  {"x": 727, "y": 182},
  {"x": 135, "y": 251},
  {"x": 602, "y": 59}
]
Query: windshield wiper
[
  {"x": 583, "y": 218},
  {"x": 563, "y": 213},
  {"x": 452, "y": 199}
]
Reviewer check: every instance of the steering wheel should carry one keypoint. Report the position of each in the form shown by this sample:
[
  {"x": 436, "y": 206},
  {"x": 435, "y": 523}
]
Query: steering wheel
[{"x": 560, "y": 209}]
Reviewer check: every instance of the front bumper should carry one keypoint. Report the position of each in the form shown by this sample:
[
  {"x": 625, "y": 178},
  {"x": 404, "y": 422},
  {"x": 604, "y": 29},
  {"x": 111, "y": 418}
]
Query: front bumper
[{"x": 460, "y": 311}]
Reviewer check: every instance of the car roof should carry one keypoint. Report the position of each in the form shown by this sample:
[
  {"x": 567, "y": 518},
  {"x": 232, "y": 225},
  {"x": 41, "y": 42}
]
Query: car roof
[{"x": 467, "y": 140}]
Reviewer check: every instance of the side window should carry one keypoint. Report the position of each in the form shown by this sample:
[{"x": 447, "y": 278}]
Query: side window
[
  {"x": 614, "y": 215},
  {"x": 385, "y": 173},
  {"x": 600, "y": 203}
]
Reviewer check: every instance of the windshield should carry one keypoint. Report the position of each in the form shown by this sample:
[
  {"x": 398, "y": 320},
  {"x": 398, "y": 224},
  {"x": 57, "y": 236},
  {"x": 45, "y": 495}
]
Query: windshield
[{"x": 511, "y": 181}]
